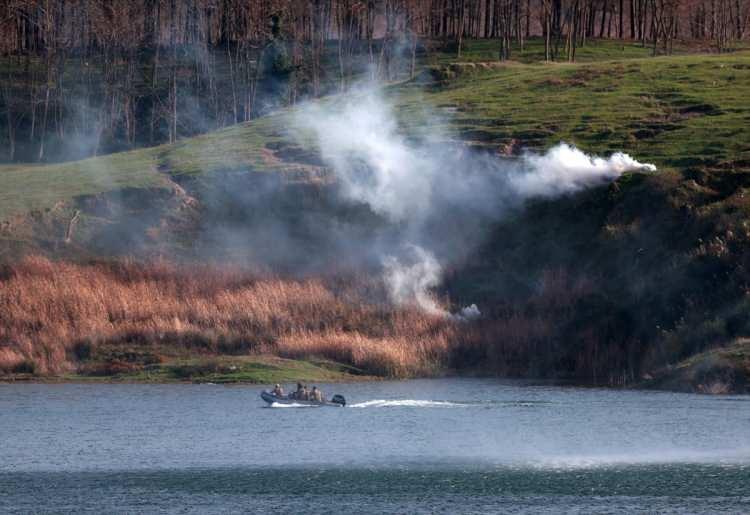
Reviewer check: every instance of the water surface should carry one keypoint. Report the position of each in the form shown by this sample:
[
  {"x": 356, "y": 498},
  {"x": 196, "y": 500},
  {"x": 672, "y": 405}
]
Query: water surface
[{"x": 451, "y": 445}]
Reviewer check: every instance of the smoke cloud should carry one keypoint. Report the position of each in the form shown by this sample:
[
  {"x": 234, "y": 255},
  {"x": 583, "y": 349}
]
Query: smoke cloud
[
  {"x": 411, "y": 281},
  {"x": 565, "y": 169},
  {"x": 437, "y": 194}
]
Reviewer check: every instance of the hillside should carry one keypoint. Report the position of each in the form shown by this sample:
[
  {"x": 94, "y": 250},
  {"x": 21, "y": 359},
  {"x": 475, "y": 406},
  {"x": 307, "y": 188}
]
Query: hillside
[
  {"x": 606, "y": 286},
  {"x": 665, "y": 110}
]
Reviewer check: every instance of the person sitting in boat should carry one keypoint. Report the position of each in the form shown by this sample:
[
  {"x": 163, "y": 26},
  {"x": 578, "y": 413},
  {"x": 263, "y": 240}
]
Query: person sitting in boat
[
  {"x": 316, "y": 395},
  {"x": 297, "y": 394},
  {"x": 278, "y": 391}
]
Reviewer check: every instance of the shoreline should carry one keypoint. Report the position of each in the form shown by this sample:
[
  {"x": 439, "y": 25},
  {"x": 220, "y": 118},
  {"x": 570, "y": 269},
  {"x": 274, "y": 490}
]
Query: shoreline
[
  {"x": 266, "y": 370},
  {"x": 239, "y": 370}
]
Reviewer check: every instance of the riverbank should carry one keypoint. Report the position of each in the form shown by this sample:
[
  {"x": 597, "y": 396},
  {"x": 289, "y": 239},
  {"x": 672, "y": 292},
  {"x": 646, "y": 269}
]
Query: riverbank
[
  {"x": 169, "y": 321},
  {"x": 161, "y": 323},
  {"x": 261, "y": 369},
  {"x": 608, "y": 286},
  {"x": 723, "y": 371}
]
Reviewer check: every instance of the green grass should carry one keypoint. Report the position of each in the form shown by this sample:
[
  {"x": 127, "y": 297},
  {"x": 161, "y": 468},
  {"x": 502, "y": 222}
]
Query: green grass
[
  {"x": 224, "y": 370},
  {"x": 674, "y": 111},
  {"x": 37, "y": 187},
  {"x": 488, "y": 50},
  {"x": 235, "y": 148}
]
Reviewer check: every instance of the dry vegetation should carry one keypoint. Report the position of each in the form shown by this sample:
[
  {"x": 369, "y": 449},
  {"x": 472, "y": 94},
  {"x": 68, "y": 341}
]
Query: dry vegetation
[
  {"x": 55, "y": 317},
  {"x": 129, "y": 319},
  {"x": 120, "y": 317}
]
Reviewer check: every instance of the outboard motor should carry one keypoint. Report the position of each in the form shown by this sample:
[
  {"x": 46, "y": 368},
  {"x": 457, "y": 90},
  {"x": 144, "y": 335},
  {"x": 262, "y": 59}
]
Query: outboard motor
[{"x": 338, "y": 399}]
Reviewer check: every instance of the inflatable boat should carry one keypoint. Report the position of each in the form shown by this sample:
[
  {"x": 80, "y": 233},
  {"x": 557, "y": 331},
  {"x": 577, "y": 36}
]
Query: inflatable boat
[{"x": 336, "y": 400}]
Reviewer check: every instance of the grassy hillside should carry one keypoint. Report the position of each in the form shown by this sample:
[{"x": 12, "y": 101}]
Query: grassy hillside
[
  {"x": 674, "y": 111},
  {"x": 609, "y": 286},
  {"x": 112, "y": 105},
  {"x": 594, "y": 50}
]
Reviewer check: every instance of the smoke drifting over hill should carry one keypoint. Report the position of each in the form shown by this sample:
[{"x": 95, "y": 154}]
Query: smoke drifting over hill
[{"x": 438, "y": 195}]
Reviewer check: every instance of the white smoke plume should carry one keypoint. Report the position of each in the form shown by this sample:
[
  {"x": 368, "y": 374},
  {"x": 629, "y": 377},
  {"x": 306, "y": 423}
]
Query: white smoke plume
[
  {"x": 565, "y": 169},
  {"x": 360, "y": 141},
  {"x": 437, "y": 195},
  {"x": 412, "y": 281}
]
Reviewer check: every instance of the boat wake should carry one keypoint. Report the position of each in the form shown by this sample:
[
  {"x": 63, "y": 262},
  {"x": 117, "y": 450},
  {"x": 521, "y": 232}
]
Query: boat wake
[
  {"x": 407, "y": 403},
  {"x": 292, "y": 405}
]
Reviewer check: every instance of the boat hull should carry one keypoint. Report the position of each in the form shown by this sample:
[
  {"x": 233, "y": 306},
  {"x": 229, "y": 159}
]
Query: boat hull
[{"x": 272, "y": 399}]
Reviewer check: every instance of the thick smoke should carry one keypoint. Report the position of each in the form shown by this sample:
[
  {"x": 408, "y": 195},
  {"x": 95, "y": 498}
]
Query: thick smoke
[
  {"x": 565, "y": 169},
  {"x": 439, "y": 195},
  {"x": 412, "y": 280}
]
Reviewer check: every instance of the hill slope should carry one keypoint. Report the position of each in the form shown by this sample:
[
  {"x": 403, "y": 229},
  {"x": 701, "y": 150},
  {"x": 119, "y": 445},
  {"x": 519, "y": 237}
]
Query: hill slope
[{"x": 602, "y": 286}]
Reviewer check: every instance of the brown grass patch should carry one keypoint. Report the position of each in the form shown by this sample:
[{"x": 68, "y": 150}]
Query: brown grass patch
[
  {"x": 122, "y": 317},
  {"x": 57, "y": 317}
]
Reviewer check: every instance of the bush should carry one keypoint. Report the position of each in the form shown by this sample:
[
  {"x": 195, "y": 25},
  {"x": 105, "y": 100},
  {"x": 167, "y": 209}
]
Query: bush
[
  {"x": 25, "y": 367},
  {"x": 187, "y": 371},
  {"x": 82, "y": 350}
]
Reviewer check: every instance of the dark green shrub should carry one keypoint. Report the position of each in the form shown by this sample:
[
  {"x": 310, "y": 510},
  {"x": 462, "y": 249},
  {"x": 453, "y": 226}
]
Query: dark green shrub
[
  {"x": 25, "y": 367},
  {"x": 82, "y": 350}
]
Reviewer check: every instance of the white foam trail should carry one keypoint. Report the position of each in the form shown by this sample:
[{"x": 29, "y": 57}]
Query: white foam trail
[
  {"x": 408, "y": 403},
  {"x": 293, "y": 405}
]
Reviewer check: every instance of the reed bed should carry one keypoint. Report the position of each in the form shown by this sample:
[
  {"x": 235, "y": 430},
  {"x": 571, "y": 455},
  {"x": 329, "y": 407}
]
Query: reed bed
[{"x": 54, "y": 316}]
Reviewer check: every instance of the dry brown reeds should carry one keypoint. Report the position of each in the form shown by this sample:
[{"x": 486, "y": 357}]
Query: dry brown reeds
[
  {"x": 54, "y": 315},
  {"x": 121, "y": 316}
]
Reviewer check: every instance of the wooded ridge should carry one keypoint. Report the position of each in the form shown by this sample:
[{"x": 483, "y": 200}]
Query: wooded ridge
[{"x": 86, "y": 77}]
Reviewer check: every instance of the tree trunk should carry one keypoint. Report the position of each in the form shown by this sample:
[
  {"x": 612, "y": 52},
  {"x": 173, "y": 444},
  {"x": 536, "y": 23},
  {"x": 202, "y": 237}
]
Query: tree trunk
[
  {"x": 173, "y": 124},
  {"x": 528, "y": 19},
  {"x": 547, "y": 30},
  {"x": 43, "y": 136},
  {"x": 461, "y": 24},
  {"x": 413, "y": 70},
  {"x": 154, "y": 89},
  {"x": 604, "y": 18},
  {"x": 340, "y": 47},
  {"x": 9, "y": 120},
  {"x": 232, "y": 83}
]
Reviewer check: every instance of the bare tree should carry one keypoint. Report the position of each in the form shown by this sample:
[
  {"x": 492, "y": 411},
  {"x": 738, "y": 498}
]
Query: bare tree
[{"x": 119, "y": 72}]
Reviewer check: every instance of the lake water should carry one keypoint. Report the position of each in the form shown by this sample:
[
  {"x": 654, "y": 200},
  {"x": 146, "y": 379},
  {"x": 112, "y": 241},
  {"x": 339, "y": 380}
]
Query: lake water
[{"x": 427, "y": 446}]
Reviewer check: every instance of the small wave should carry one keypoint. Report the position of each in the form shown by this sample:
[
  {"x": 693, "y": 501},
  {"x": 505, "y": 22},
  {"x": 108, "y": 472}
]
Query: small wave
[
  {"x": 408, "y": 403},
  {"x": 667, "y": 457}
]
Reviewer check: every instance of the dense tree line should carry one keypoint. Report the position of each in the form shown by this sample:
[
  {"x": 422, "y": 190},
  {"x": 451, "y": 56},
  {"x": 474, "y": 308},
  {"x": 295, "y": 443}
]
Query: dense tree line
[
  {"x": 50, "y": 26},
  {"x": 80, "y": 77}
]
